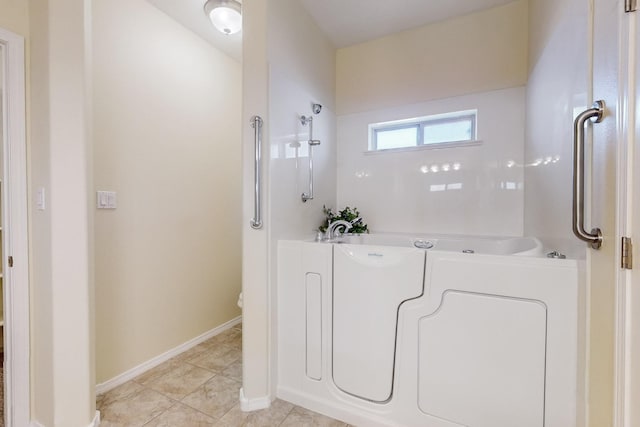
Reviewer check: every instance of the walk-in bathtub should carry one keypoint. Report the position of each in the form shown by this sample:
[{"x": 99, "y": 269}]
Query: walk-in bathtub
[{"x": 430, "y": 331}]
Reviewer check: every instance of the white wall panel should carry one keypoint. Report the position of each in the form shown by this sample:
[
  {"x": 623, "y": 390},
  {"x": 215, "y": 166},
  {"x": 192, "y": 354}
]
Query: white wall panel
[
  {"x": 481, "y": 193},
  {"x": 557, "y": 88}
]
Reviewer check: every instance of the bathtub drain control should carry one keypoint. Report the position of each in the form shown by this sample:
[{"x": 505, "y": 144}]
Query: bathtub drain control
[
  {"x": 423, "y": 244},
  {"x": 468, "y": 251}
]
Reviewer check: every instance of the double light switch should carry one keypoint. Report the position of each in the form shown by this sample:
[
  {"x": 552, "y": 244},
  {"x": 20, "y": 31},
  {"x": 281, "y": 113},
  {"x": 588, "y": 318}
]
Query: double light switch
[{"x": 106, "y": 200}]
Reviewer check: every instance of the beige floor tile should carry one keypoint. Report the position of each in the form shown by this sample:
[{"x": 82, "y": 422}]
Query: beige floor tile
[
  {"x": 234, "y": 371},
  {"x": 215, "y": 397},
  {"x": 135, "y": 410},
  {"x": 157, "y": 372},
  {"x": 107, "y": 423},
  {"x": 300, "y": 417},
  {"x": 231, "y": 337},
  {"x": 217, "y": 358},
  {"x": 180, "y": 415},
  {"x": 99, "y": 400},
  {"x": 121, "y": 392},
  {"x": 191, "y": 353},
  {"x": 235, "y": 342},
  {"x": 272, "y": 416},
  {"x": 180, "y": 381}
]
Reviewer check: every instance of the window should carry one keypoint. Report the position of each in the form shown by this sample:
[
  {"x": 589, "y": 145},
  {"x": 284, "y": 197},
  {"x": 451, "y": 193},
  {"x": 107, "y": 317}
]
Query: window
[{"x": 436, "y": 130}]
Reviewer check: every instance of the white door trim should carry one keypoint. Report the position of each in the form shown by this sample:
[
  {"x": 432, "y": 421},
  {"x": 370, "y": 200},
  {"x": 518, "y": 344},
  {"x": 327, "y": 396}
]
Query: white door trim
[
  {"x": 627, "y": 102},
  {"x": 628, "y": 336},
  {"x": 15, "y": 242},
  {"x": 625, "y": 120}
]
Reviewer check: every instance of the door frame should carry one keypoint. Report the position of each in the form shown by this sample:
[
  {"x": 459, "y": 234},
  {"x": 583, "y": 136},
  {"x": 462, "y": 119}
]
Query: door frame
[
  {"x": 15, "y": 243},
  {"x": 628, "y": 336},
  {"x": 627, "y": 367}
]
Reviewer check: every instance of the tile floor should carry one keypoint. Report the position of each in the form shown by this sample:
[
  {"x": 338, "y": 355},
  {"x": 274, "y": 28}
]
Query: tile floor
[{"x": 198, "y": 388}]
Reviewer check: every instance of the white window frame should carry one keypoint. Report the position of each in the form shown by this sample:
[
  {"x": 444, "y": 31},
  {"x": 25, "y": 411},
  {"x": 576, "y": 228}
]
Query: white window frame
[{"x": 420, "y": 124}]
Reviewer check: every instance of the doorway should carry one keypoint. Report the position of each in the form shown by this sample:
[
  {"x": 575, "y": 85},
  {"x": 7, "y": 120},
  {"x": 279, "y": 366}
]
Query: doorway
[{"x": 14, "y": 257}]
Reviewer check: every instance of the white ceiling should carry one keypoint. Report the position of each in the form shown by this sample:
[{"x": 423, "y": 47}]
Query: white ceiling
[
  {"x": 345, "y": 22},
  {"x": 348, "y": 22}
]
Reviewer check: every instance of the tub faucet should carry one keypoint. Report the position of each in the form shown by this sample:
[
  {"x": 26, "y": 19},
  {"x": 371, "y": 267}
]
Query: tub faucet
[{"x": 332, "y": 229}]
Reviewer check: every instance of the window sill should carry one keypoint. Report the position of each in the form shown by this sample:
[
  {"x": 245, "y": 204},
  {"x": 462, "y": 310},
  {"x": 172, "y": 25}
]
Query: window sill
[{"x": 440, "y": 146}]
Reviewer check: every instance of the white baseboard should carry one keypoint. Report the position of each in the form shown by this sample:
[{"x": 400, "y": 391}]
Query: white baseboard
[
  {"x": 94, "y": 423},
  {"x": 152, "y": 363},
  {"x": 248, "y": 405},
  {"x": 96, "y": 420}
]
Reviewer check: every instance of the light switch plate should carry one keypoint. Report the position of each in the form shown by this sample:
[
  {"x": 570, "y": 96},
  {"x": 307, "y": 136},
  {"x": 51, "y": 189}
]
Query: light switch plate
[
  {"x": 41, "y": 199},
  {"x": 106, "y": 200},
  {"x": 111, "y": 200}
]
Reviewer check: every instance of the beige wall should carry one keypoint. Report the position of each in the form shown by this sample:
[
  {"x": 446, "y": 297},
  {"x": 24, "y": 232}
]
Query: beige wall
[
  {"x": 255, "y": 272},
  {"x": 167, "y": 140},
  {"x": 474, "y": 53},
  {"x": 41, "y": 315},
  {"x": 62, "y": 326},
  {"x": 62, "y": 368},
  {"x": 14, "y": 16}
]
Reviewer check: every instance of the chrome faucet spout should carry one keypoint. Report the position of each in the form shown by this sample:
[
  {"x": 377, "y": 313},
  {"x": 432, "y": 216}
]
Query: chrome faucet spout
[{"x": 332, "y": 229}]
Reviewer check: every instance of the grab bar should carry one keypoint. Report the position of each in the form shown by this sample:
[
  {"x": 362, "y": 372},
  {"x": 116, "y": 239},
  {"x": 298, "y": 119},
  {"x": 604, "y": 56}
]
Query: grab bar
[
  {"x": 595, "y": 114},
  {"x": 312, "y": 143},
  {"x": 256, "y": 124}
]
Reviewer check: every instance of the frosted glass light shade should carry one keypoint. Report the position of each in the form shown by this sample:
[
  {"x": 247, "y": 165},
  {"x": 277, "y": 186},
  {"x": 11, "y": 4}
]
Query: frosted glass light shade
[{"x": 225, "y": 15}]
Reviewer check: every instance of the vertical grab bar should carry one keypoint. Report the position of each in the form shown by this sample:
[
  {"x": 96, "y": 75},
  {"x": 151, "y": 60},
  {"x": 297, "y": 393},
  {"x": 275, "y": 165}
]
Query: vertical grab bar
[
  {"x": 312, "y": 143},
  {"x": 256, "y": 124},
  {"x": 595, "y": 114}
]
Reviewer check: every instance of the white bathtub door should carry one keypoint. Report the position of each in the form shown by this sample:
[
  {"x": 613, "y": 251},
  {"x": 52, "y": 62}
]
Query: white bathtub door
[
  {"x": 369, "y": 285},
  {"x": 482, "y": 361}
]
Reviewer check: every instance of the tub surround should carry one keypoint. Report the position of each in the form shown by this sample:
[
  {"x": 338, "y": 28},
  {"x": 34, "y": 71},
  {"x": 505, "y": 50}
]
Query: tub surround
[
  {"x": 399, "y": 77},
  {"x": 472, "y": 190},
  {"x": 557, "y": 27}
]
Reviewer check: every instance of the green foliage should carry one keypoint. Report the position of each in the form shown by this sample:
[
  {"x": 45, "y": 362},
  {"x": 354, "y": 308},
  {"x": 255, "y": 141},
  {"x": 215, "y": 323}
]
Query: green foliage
[{"x": 347, "y": 214}]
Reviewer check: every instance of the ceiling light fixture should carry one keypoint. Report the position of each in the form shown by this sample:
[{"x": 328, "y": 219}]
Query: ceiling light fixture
[{"x": 225, "y": 15}]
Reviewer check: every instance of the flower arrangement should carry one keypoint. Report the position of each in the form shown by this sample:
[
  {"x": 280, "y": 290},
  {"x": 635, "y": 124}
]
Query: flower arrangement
[{"x": 348, "y": 214}]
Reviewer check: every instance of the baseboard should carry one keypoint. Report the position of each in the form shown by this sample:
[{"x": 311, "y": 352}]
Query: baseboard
[
  {"x": 96, "y": 420},
  {"x": 94, "y": 423},
  {"x": 248, "y": 405},
  {"x": 152, "y": 363}
]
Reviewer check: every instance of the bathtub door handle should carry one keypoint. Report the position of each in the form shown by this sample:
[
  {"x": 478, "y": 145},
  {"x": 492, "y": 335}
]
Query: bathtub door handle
[
  {"x": 256, "y": 124},
  {"x": 595, "y": 115}
]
